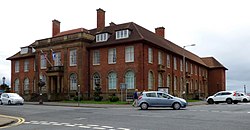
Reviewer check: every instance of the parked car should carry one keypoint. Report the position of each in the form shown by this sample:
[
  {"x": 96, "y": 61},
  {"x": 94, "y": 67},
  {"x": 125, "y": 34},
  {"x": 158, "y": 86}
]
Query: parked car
[
  {"x": 224, "y": 96},
  {"x": 160, "y": 99},
  {"x": 243, "y": 97},
  {"x": 11, "y": 98}
]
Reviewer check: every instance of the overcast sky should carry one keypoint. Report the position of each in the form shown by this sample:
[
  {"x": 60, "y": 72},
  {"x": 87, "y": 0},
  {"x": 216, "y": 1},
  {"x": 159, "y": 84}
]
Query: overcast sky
[{"x": 219, "y": 28}]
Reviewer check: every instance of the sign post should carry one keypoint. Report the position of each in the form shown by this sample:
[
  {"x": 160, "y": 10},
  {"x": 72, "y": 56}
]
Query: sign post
[{"x": 122, "y": 87}]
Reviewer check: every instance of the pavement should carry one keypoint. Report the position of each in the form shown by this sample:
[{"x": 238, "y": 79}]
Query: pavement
[{"x": 6, "y": 120}]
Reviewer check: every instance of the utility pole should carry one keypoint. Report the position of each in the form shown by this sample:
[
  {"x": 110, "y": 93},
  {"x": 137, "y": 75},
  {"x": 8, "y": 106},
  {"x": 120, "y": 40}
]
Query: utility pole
[{"x": 245, "y": 89}]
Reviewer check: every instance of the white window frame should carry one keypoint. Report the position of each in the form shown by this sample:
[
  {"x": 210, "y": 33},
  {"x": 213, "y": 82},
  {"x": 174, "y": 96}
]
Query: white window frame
[
  {"x": 168, "y": 61},
  {"x": 112, "y": 56},
  {"x": 168, "y": 81},
  {"x": 96, "y": 57},
  {"x": 130, "y": 79},
  {"x": 73, "y": 82},
  {"x": 175, "y": 63},
  {"x": 191, "y": 68},
  {"x": 186, "y": 66},
  {"x": 150, "y": 55},
  {"x": 129, "y": 54},
  {"x": 17, "y": 66},
  {"x": 17, "y": 84},
  {"x": 112, "y": 80},
  {"x": 160, "y": 80},
  {"x": 121, "y": 34},
  {"x": 57, "y": 59},
  {"x": 102, "y": 37},
  {"x": 26, "y": 85},
  {"x": 26, "y": 65},
  {"x": 150, "y": 80},
  {"x": 175, "y": 82},
  {"x": 181, "y": 65},
  {"x": 43, "y": 62},
  {"x": 73, "y": 57},
  {"x": 96, "y": 79},
  {"x": 159, "y": 58},
  {"x": 195, "y": 69}
]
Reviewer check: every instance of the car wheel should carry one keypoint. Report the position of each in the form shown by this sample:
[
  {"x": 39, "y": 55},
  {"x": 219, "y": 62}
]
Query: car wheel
[
  {"x": 244, "y": 100},
  {"x": 176, "y": 106},
  {"x": 229, "y": 101},
  {"x": 9, "y": 102},
  {"x": 144, "y": 106},
  {"x": 21, "y": 103},
  {"x": 210, "y": 101},
  {"x": 1, "y": 102}
]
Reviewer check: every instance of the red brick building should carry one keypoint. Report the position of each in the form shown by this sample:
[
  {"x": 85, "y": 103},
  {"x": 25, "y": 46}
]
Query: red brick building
[{"x": 112, "y": 55}]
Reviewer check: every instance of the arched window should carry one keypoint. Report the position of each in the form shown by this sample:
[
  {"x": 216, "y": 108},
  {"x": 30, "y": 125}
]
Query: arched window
[
  {"x": 73, "y": 82},
  {"x": 168, "y": 81},
  {"x": 112, "y": 77},
  {"x": 130, "y": 79},
  {"x": 16, "y": 88},
  {"x": 96, "y": 80},
  {"x": 160, "y": 83},
  {"x": 175, "y": 83},
  {"x": 26, "y": 84},
  {"x": 150, "y": 80}
]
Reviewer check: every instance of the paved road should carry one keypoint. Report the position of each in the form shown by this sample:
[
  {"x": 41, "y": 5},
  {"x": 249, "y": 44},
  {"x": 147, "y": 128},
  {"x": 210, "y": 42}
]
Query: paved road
[{"x": 202, "y": 117}]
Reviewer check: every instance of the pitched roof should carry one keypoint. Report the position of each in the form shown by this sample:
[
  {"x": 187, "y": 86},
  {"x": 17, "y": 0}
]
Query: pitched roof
[
  {"x": 18, "y": 55},
  {"x": 72, "y": 31},
  {"x": 140, "y": 33},
  {"x": 211, "y": 62}
]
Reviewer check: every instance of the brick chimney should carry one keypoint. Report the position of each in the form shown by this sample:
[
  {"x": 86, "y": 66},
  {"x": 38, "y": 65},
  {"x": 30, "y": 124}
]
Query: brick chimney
[
  {"x": 160, "y": 31},
  {"x": 55, "y": 27},
  {"x": 100, "y": 19}
]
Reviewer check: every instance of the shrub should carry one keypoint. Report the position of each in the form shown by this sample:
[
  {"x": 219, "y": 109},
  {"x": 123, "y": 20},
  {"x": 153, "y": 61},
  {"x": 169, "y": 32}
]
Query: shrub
[
  {"x": 97, "y": 93},
  {"x": 113, "y": 98}
]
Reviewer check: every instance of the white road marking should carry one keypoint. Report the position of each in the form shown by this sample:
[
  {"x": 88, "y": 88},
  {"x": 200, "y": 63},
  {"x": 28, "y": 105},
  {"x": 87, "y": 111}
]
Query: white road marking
[
  {"x": 57, "y": 124},
  {"x": 123, "y": 129},
  {"x": 70, "y": 125},
  {"x": 248, "y": 112},
  {"x": 109, "y": 127},
  {"x": 98, "y": 128},
  {"x": 92, "y": 125},
  {"x": 78, "y": 124},
  {"x": 87, "y": 127}
]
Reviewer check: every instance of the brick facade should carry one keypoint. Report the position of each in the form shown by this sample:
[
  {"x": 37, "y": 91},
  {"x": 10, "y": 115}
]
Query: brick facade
[{"x": 62, "y": 81}]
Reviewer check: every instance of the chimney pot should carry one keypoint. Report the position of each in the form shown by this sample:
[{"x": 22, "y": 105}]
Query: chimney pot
[
  {"x": 55, "y": 27},
  {"x": 112, "y": 24},
  {"x": 100, "y": 19},
  {"x": 160, "y": 31}
]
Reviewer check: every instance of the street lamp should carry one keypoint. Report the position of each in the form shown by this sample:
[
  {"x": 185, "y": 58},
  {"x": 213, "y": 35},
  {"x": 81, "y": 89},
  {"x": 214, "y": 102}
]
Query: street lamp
[
  {"x": 184, "y": 71},
  {"x": 78, "y": 94}
]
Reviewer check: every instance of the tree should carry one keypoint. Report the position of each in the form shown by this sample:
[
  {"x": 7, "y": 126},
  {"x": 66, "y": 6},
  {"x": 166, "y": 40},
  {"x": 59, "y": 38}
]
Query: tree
[{"x": 98, "y": 92}]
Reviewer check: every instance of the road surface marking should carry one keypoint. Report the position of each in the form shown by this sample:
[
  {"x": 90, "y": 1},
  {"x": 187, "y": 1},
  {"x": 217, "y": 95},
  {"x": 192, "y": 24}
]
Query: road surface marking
[
  {"x": 109, "y": 127},
  {"x": 18, "y": 119},
  {"x": 87, "y": 127},
  {"x": 98, "y": 128}
]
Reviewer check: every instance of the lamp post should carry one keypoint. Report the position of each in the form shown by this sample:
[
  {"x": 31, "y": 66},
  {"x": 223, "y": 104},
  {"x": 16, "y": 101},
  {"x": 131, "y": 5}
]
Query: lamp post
[
  {"x": 4, "y": 80},
  {"x": 184, "y": 71},
  {"x": 78, "y": 98}
]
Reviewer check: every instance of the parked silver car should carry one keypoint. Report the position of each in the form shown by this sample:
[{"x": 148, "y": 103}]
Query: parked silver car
[
  {"x": 11, "y": 98},
  {"x": 160, "y": 99}
]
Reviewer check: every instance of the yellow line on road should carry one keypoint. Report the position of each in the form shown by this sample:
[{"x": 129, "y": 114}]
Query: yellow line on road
[{"x": 20, "y": 120}]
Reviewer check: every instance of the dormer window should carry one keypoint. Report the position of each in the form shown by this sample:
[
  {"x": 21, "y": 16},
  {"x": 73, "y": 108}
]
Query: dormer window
[
  {"x": 24, "y": 50},
  {"x": 122, "y": 34},
  {"x": 101, "y": 37}
]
